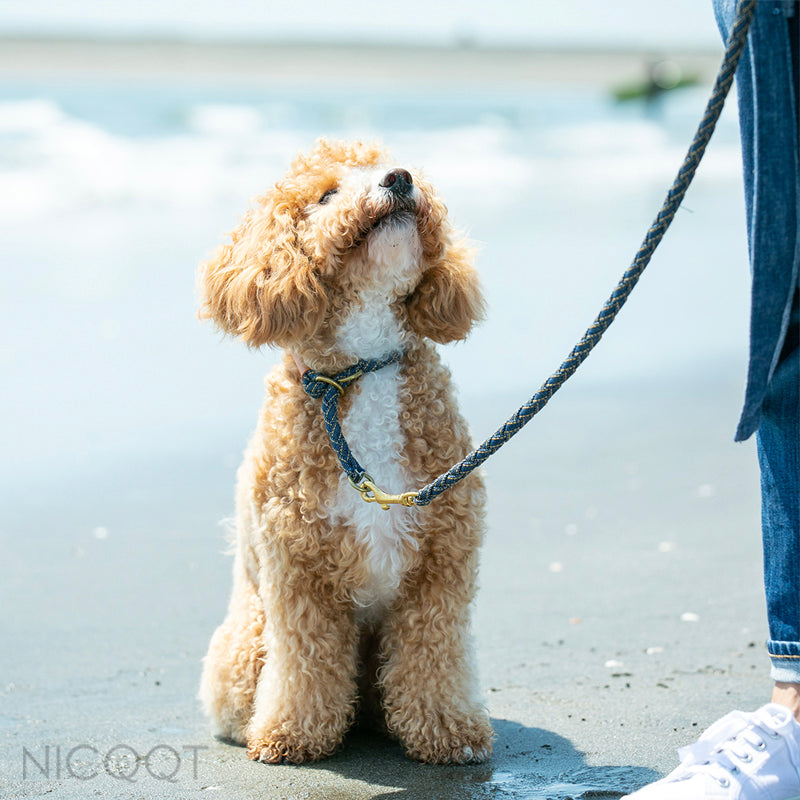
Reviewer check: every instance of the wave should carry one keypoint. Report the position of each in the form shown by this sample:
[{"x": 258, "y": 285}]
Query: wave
[
  {"x": 110, "y": 198},
  {"x": 214, "y": 152}
]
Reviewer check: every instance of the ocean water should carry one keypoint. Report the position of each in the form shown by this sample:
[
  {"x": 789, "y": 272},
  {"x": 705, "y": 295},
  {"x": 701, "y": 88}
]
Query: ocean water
[{"x": 112, "y": 192}]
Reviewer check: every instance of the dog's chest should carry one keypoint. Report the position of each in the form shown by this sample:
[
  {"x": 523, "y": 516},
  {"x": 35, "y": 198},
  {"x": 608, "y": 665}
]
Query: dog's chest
[{"x": 373, "y": 430}]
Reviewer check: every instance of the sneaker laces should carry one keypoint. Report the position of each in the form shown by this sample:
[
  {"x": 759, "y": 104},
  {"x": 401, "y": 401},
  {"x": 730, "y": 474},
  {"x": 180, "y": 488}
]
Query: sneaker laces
[{"x": 730, "y": 743}]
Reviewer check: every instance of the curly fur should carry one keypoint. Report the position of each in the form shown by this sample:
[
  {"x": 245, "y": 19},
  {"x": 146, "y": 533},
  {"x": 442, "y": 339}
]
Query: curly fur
[{"x": 336, "y": 603}]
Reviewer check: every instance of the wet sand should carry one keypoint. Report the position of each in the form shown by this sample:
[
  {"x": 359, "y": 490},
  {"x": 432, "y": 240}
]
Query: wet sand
[{"x": 620, "y": 611}]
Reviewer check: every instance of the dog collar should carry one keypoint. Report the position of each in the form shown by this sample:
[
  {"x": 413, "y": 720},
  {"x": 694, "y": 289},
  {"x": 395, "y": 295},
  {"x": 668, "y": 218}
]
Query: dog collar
[{"x": 330, "y": 388}]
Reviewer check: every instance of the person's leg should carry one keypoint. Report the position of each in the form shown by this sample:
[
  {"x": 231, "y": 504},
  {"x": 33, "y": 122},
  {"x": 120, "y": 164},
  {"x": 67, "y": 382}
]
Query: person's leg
[
  {"x": 782, "y": 519},
  {"x": 778, "y": 439},
  {"x": 787, "y": 694}
]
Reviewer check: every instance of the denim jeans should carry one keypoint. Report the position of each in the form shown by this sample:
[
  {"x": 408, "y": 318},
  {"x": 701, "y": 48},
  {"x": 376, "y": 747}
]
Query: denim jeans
[
  {"x": 767, "y": 85},
  {"x": 778, "y": 439}
]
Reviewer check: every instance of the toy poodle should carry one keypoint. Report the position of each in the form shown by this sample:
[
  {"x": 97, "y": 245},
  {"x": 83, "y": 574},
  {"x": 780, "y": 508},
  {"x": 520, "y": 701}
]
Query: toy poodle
[{"x": 340, "y": 607}]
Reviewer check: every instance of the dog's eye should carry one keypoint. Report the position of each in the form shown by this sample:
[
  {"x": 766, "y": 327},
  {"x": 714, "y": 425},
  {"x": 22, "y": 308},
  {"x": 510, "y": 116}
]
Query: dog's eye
[{"x": 327, "y": 196}]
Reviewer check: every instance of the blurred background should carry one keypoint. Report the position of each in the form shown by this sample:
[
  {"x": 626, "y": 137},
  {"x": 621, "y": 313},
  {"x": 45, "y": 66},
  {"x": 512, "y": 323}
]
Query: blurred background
[
  {"x": 533, "y": 23},
  {"x": 132, "y": 136}
]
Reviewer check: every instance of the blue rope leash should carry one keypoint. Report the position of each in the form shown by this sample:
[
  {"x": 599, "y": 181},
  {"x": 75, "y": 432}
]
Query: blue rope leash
[
  {"x": 733, "y": 51},
  {"x": 330, "y": 388}
]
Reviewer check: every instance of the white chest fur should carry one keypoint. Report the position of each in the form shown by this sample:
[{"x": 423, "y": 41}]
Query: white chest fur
[{"x": 372, "y": 429}]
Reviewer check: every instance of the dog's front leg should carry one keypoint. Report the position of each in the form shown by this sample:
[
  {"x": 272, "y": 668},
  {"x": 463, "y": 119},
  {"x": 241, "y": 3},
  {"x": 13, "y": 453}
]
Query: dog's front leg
[
  {"x": 429, "y": 682},
  {"x": 305, "y": 696}
]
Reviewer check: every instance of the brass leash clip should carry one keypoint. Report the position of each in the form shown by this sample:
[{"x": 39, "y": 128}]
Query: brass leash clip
[{"x": 370, "y": 493}]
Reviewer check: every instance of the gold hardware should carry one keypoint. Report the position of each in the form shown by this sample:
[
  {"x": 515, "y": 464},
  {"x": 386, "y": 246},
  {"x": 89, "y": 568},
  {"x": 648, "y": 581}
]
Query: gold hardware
[
  {"x": 340, "y": 384},
  {"x": 331, "y": 382},
  {"x": 351, "y": 378},
  {"x": 370, "y": 493}
]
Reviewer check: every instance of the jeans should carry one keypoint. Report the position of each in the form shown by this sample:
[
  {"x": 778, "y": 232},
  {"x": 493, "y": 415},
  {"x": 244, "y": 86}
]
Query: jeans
[
  {"x": 767, "y": 83},
  {"x": 778, "y": 439}
]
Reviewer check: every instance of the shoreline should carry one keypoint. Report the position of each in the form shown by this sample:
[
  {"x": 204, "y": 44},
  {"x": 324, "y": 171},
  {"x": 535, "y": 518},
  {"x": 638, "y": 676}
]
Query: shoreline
[{"x": 272, "y": 63}]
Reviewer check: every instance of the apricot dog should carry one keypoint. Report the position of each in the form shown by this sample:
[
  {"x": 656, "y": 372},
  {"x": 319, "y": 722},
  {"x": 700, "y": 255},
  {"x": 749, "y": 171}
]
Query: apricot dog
[{"x": 339, "y": 606}]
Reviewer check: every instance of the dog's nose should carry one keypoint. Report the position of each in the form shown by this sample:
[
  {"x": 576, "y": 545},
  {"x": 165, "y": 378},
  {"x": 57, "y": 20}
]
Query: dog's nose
[{"x": 398, "y": 181}]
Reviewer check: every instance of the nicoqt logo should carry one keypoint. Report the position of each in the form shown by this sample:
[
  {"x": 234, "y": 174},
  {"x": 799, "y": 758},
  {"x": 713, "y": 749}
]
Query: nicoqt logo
[{"x": 85, "y": 762}]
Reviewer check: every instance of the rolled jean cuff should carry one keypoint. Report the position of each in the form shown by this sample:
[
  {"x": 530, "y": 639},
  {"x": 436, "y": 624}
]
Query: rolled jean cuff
[{"x": 785, "y": 657}]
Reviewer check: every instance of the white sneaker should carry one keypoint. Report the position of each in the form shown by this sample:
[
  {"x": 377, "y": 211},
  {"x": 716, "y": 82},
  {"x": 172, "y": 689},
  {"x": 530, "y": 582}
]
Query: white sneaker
[{"x": 741, "y": 757}]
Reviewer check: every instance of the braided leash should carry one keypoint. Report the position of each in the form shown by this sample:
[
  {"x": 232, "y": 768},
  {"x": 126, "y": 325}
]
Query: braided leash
[
  {"x": 330, "y": 390},
  {"x": 364, "y": 484}
]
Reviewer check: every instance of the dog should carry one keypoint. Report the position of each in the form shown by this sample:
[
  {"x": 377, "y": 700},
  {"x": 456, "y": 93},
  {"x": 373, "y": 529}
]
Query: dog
[{"x": 338, "y": 606}]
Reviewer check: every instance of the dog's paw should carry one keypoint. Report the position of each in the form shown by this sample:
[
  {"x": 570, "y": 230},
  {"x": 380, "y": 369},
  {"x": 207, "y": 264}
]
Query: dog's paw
[
  {"x": 461, "y": 754},
  {"x": 279, "y": 749},
  {"x": 266, "y": 753},
  {"x": 278, "y": 753},
  {"x": 452, "y": 753},
  {"x": 467, "y": 743}
]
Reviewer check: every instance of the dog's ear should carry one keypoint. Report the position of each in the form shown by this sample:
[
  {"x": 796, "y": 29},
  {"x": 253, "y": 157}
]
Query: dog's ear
[
  {"x": 448, "y": 300},
  {"x": 261, "y": 287}
]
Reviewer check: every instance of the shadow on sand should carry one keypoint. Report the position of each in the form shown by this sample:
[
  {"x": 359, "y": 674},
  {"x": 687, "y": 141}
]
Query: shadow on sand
[{"x": 528, "y": 763}]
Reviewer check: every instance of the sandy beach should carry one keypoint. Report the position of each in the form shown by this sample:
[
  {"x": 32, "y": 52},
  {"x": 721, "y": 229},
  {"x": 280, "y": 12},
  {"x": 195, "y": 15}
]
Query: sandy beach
[
  {"x": 359, "y": 66},
  {"x": 621, "y": 609},
  {"x": 620, "y": 613}
]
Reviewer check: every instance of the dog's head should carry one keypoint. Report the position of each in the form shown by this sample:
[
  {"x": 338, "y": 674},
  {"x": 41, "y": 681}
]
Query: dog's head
[{"x": 343, "y": 221}]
